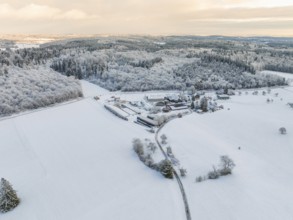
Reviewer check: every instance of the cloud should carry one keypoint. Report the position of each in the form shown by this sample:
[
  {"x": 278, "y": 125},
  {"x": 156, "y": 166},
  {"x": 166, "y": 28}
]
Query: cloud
[
  {"x": 231, "y": 17},
  {"x": 41, "y": 12},
  {"x": 210, "y": 4},
  {"x": 241, "y": 14}
]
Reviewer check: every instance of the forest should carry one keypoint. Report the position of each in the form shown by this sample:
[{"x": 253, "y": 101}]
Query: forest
[{"x": 37, "y": 77}]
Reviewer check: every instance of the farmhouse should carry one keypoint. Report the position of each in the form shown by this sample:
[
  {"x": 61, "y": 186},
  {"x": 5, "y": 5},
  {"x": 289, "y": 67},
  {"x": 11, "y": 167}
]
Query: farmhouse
[{"x": 174, "y": 98}]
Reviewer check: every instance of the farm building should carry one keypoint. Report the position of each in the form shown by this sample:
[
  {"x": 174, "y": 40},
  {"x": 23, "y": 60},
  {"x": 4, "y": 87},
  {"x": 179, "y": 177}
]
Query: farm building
[
  {"x": 196, "y": 97},
  {"x": 180, "y": 106},
  {"x": 223, "y": 97},
  {"x": 160, "y": 104},
  {"x": 167, "y": 108},
  {"x": 130, "y": 110},
  {"x": 174, "y": 98},
  {"x": 155, "y": 98},
  {"x": 117, "y": 111},
  {"x": 147, "y": 121}
]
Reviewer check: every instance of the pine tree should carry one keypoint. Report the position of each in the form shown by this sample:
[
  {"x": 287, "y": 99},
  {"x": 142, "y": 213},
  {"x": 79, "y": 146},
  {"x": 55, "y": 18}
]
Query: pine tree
[
  {"x": 8, "y": 197},
  {"x": 166, "y": 169},
  {"x": 204, "y": 104}
]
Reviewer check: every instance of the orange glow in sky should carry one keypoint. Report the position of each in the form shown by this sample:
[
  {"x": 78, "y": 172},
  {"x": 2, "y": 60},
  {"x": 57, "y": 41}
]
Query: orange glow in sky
[{"x": 153, "y": 17}]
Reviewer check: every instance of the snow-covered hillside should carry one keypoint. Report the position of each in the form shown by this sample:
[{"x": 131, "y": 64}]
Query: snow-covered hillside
[
  {"x": 27, "y": 89},
  {"x": 76, "y": 162},
  {"x": 261, "y": 184}
]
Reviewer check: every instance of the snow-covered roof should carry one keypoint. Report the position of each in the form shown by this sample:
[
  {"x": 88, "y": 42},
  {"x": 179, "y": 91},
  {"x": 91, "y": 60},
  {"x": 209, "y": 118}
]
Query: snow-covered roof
[
  {"x": 148, "y": 120},
  {"x": 173, "y": 97},
  {"x": 117, "y": 110},
  {"x": 224, "y": 96},
  {"x": 156, "y": 97}
]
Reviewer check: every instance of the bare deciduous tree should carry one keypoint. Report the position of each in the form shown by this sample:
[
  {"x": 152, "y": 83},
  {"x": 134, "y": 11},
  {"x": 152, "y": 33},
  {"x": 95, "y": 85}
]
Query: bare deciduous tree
[{"x": 282, "y": 130}]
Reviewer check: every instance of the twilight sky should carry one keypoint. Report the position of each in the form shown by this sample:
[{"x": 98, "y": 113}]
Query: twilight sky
[{"x": 158, "y": 17}]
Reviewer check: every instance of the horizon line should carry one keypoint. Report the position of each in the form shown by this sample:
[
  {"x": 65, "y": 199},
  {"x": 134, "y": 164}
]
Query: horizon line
[{"x": 140, "y": 35}]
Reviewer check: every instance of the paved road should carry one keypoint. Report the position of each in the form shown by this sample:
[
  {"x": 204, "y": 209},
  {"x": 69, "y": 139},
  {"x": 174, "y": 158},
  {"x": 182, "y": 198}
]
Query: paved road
[{"x": 187, "y": 210}]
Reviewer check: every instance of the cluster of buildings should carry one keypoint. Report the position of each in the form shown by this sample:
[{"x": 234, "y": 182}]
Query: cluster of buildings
[
  {"x": 171, "y": 102},
  {"x": 162, "y": 103}
]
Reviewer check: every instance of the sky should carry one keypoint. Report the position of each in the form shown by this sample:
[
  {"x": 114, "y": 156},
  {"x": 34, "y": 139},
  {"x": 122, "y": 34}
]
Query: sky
[{"x": 150, "y": 17}]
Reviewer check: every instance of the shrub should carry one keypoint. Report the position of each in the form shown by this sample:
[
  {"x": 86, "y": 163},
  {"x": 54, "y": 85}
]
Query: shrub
[
  {"x": 183, "y": 172},
  {"x": 8, "y": 196},
  {"x": 138, "y": 146},
  {"x": 152, "y": 147},
  {"x": 199, "y": 179},
  {"x": 214, "y": 174},
  {"x": 226, "y": 165},
  {"x": 149, "y": 161},
  {"x": 163, "y": 139}
]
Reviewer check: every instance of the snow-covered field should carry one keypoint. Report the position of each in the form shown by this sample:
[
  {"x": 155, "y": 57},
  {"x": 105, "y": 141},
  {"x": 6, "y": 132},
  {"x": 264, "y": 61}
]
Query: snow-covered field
[
  {"x": 261, "y": 184},
  {"x": 76, "y": 162}
]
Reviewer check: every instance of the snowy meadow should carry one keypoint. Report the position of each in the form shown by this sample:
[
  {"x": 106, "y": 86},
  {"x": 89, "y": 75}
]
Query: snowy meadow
[{"x": 185, "y": 101}]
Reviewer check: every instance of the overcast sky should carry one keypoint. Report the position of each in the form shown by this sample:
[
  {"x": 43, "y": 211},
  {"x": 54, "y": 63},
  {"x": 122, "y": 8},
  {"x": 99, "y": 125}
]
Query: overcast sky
[{"x": 158, "y": 17}]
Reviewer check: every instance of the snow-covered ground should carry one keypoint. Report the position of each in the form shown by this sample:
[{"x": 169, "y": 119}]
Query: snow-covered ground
[
  {"x": 26, "y": 45},
  {"x": 91, "y": 90},
  {"x": 76, "y": 162},
  {"x": 261, "y": 184}
]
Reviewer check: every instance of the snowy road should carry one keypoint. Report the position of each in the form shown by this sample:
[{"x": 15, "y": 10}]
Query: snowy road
[{"x": 181, "y": 187}]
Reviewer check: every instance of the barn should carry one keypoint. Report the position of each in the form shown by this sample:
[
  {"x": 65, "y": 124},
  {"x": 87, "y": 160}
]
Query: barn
[{"x": 147, "y": 121}]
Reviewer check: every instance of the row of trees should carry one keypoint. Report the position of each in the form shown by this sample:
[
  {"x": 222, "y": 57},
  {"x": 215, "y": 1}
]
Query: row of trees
[
  {"x": 145, "y": 151},
  {"x": 279, "y": 67},
  {"x": 225, "y": 167}
]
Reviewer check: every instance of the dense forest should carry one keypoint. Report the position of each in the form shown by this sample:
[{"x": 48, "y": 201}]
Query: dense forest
[
  {"x": 32, "y": 77},
  {"x": 148, "y": 63},
  {"x": 22, "y": 89}
]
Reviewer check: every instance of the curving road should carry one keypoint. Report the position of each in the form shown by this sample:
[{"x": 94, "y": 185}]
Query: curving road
[{"x": 187, "y": 210}]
